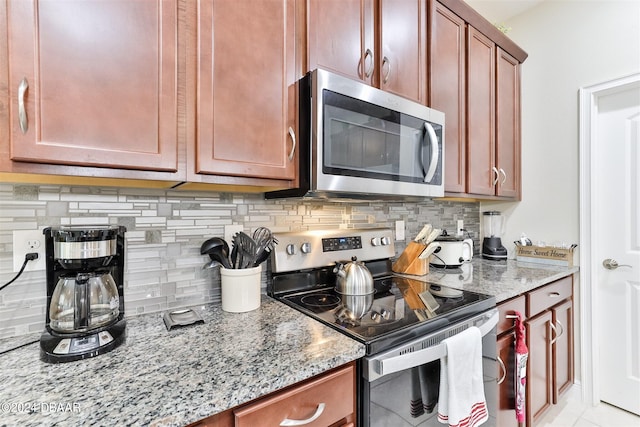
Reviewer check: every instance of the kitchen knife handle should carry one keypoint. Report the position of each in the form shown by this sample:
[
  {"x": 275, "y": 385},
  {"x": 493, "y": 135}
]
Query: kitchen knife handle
[
  {"x": 369, "y": 69},
  {"x": 315, "y": 416},
  {"x": 292, "y": 134},
  {"x": 435, "y": 153},
  {"x": 22, "y": 111},
  {"x": 386, "y": 60}
]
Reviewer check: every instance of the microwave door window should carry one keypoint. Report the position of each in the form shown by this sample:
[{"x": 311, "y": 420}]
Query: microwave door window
[{"x": 369, "y": 141}]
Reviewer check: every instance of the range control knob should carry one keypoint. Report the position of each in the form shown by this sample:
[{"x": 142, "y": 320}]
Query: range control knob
[
  {"x": 375, "y": 241},
  {"x": 385, "y": 241},
  {"x": 305, "y": 248},
  {"x": 291, "y": 249}
]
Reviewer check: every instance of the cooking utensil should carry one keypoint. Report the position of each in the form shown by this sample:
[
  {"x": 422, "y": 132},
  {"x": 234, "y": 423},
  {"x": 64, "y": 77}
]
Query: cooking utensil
[
  {"x": 217, "y": 249},
  {"x": 265, "y": 243},
  {"x": 246, "y": 250}
]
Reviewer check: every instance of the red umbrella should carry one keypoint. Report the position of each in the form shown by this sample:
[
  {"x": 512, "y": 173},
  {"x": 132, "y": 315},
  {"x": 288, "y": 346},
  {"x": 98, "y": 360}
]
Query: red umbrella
[{"x": 522, "y": 353}]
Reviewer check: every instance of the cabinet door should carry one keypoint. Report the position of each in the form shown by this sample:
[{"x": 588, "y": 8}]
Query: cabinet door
[
  {"x": 246, "y": 88},
  {"x": 562, "y": 348},
  {"x": 481, "y": 172},
  {"x": 403, "y": 48},
  {"x": 508, "y": 124},
  {"x": 340, "y": 37},
  {"x": 447, "y": 90},
  {"x": 94, "y": 83},
  {"x": 506, "y": 416},
  {"x": 539, "y": 393}
]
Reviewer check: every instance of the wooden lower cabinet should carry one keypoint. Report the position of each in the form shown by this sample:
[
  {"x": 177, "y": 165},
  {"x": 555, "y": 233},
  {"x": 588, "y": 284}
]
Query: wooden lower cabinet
[
  {"x": 539, "y": 367},
  {"x": 548, "y": 320},
  {"x": 325, "y": 400}
]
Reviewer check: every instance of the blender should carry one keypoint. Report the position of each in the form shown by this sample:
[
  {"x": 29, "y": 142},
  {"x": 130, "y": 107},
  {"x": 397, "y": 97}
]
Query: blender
[{"x": 493, "y": 227}]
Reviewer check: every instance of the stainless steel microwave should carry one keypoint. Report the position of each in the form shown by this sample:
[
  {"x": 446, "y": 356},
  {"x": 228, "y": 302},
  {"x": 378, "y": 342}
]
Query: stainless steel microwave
[{"x": 360, "y": 142}]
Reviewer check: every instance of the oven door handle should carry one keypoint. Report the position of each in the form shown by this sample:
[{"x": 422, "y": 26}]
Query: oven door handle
[{"x": 409, "y": 360}]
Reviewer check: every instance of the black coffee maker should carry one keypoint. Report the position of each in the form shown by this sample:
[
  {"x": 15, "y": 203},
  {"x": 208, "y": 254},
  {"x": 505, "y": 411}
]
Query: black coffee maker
[{"x": 85, "y": 292}]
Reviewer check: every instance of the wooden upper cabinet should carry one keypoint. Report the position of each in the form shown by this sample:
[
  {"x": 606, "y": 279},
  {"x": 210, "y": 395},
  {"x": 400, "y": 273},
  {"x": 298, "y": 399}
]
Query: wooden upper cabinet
[
  {"x": 508, "y": 124},
  {"x": 481, "y": 171},
  {"x": 380, "y": 42},
  {"x": 340, "y": 37},
  {"x": 93, "y": 83},
  {"x": 246, "y": 96},
  {"x": 402, "y": 61},
  {"x": 447, "y": 74}
]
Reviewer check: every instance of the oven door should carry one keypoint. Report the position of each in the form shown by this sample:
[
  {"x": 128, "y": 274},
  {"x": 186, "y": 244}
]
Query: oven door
[
  {"x": 399, "y": 387},
  {"x": 369, "y": 141}
]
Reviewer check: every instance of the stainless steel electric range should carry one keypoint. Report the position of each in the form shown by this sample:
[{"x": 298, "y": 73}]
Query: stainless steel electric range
[{"x": 402, "y": 324}]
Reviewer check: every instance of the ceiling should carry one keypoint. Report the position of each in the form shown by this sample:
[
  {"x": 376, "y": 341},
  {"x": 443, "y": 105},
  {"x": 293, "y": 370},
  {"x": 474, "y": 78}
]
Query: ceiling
[{"x": 500, "y": 11}]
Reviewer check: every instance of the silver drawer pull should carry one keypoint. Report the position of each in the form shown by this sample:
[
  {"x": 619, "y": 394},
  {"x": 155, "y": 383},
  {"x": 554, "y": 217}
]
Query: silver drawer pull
[
  {"x": 554, "y": 294},
  {"x": 315, "y": 416}
]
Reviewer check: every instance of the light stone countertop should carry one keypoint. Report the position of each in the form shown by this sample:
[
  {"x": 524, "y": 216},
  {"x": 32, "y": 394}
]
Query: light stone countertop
[
  {"x": 163, "y": 378},
  {"x": 502, "y": 279},
  {"x": 174, "y": 378}
]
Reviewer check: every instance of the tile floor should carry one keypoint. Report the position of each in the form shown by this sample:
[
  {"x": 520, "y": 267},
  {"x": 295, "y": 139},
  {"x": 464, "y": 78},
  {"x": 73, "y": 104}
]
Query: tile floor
[{"x": 574, "y": 413}]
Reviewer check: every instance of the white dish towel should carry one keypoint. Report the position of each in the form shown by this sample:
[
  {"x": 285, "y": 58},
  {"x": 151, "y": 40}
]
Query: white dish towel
[{"x": 462, "y": 402}]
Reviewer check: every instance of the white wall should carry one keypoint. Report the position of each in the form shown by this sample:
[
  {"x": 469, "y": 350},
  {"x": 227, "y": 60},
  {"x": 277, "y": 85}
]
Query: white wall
[{"x": 571, "y": 44}]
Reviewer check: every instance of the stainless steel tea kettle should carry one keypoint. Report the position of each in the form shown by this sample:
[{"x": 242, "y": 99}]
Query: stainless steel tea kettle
[{"x": 353, "y": 278}]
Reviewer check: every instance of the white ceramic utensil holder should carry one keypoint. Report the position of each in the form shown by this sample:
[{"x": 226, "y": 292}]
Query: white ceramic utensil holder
[{"x": 240, "y": 289}]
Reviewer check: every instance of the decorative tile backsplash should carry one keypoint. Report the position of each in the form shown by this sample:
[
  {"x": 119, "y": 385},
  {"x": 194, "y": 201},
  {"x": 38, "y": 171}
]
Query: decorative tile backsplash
[{"x": 165, "y": 230}]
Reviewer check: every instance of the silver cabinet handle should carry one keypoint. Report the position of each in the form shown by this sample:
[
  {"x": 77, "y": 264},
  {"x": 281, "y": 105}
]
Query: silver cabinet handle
[
  {"x": 554, "y": 294},
  {"x": 315, "y": 416},
  {"x": 496, "y": 174},
  {"x": 559, "y": 325},
  {"x": 612, "y": 264},
  {"x": 555, "y": 333},
  {"x": 369, "y": 69},
  {"x": 504, "y": 371},
  {"x": 386, "y": 60},
  {"x": 292, "y": 134},
  {"x": 22, "y": 111},
  {"x": 504, "y": 176}
]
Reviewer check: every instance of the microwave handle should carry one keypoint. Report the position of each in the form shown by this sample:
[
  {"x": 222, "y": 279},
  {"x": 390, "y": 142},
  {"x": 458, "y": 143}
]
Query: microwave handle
[{"x": 434, "y": 152}]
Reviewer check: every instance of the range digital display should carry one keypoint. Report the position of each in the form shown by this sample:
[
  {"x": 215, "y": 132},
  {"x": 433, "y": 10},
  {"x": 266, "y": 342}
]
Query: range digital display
[{"x": 341, "y": 243}]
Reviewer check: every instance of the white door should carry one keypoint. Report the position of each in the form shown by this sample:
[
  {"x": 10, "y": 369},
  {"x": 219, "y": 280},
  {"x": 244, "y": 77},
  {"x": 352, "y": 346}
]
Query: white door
[{"x": 616, "y": 251}]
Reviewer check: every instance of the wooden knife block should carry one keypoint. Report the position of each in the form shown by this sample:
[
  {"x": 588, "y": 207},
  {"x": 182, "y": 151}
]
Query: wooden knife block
[{"x": 409, "y": 263}]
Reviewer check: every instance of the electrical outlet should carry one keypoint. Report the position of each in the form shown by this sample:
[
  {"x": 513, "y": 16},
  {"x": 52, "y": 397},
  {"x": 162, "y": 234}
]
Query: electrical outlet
[
  {"x": 460, "y": 231},
  {"x": 25, "y": 242},
  {"x": 400, "y": 230}
]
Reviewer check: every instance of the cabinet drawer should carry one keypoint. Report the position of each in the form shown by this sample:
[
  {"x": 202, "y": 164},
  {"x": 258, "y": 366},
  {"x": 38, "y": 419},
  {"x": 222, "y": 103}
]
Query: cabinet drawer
[
  {"x": 549, "y": 295},
  {"x": 335, "y": 390},
  {"x": 508, "y": 307}
]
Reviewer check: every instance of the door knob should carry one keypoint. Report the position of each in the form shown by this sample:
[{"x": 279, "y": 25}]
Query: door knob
[{"x": 612, "y": 264}]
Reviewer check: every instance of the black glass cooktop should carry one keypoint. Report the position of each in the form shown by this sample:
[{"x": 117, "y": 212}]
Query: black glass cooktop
[{"x": 400, "y": 309}]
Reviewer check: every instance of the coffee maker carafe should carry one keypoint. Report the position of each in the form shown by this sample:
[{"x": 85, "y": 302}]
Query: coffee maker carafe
[
  {"x": 85, "y": 299},
  {"x": 493, "y": 227}
]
